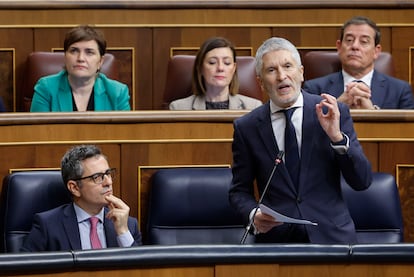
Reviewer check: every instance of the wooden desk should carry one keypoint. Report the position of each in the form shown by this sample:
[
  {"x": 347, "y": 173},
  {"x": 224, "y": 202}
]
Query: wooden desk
[{"x": 219, "y": 261}]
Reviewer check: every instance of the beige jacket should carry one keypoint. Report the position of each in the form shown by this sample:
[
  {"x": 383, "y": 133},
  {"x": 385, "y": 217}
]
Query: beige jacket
[{"x": 236, "y": 102}]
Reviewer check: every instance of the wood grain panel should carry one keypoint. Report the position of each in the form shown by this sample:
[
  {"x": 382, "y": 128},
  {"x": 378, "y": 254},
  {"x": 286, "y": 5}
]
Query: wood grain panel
[
  {"x": 7, "y": 77},
  {"x": 151, "y": 43},
  {"x": 393, "y": 153},
  {"x": 341, "y": 270},
  {"x": 372, "y": 153},
  {"x": 247, "y": 270},
  {"x": 143, "y": 139},
  {"x": 401, "y": 42},
  {"x": 175, "y": 271},
  {"x": 405, "y": 180},
  {"x": 19, "y": 41}
]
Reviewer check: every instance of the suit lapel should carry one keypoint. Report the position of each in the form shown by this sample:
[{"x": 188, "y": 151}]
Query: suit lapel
[
  {"x": 70, "y": 225},
  {"x": 100, "y": 99},
  {"x": 110, "y": 233},
  {"x": 264, "y": 127},
  {"x": 377, "y": 89},
  {"x": 336, "y": 85},
  {"x": 199, "y": 103},
  {"x": 235, "y": 102},
  {"x": 308, "y": 136},
  {"x": 65, "y": 95}
]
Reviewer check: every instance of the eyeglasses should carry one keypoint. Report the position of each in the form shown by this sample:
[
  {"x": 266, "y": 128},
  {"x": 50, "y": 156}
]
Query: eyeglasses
[{"x": 98, "y": 178}]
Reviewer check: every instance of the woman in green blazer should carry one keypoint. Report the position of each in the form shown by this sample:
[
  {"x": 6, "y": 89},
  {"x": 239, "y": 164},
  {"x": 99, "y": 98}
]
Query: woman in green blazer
[{"x": 80, "y": 86}]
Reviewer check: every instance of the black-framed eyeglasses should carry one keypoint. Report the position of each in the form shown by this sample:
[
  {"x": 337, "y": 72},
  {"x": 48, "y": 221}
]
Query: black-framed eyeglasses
[{"x": 98, "y": 178}]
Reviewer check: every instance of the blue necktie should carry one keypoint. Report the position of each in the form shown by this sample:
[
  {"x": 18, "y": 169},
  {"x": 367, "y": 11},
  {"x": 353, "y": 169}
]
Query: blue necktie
[{"x": 291, "y": 148}]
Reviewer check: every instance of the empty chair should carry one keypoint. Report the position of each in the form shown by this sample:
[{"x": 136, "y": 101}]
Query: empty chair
[
  {"x": 24, "y": 194},
  {"x": 191, "y": 206},
  {"x": 40, "y": 64},
  {"x": 376, "y": 211},
  {"x": 321, "y": 63},
  {"x": 179, "y": 76}
]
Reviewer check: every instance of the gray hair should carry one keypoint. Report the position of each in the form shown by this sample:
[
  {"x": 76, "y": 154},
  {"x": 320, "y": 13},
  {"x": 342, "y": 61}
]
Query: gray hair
[{"x": 274, "y": 44}]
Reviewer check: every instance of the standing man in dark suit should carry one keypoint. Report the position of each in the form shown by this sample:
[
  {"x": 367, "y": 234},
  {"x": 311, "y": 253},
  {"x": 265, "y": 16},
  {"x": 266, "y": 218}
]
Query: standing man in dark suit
[
  {"x": 328, "y": 147},
  {"x": 88, "y": 177},
  {"x": 359, "y": 85}
]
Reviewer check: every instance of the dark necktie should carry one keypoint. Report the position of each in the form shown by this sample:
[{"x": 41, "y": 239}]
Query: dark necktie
[
  {"x": 95, "y": 242},
  {"x": 291, "y": 148},
  {"x": 358, "y": 81}
]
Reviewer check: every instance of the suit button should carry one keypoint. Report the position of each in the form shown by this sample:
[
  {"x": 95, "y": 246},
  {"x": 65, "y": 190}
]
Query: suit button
[{"x": 298, "y": 200}]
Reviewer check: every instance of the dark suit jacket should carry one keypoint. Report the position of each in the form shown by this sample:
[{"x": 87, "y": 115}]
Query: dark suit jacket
[
  {"x": 387, "y": 92},
  {"x": 57, "y": 229},
  {"x": 318, "y": 197}
]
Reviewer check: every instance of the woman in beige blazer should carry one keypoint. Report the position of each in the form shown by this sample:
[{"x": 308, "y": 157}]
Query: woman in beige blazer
[{"x": 214, "y": 82}]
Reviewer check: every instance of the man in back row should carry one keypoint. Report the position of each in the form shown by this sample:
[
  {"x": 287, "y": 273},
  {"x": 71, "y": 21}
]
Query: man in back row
[{"x": 359, "y": 85}]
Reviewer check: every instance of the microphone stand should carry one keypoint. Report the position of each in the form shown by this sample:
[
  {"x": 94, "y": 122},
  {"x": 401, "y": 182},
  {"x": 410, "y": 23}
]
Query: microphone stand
[{"x": 278, "y": 160}]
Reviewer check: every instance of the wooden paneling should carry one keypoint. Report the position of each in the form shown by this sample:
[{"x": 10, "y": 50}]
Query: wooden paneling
[
  {"x": 141, "y": 141},
  {"x": 149, "y": 30},
  {"x": 405, "y": 179},
  {"x": 245, "y": 270},
  {"x": 19, "y": 42}
]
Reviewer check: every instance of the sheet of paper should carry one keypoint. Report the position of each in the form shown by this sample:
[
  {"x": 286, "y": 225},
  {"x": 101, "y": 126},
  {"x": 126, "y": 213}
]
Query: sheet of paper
[{"x": 282, "y": 218}]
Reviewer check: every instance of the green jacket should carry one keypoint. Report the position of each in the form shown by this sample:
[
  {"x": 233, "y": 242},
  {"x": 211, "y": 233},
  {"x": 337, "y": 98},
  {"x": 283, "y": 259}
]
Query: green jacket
[{"x": 53, "y": 94}]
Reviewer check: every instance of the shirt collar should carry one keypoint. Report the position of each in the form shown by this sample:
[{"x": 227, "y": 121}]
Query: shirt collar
[
  {"x": 366, "y": 79},
  {"x": 299, "y": 103},
  {"x": 82, "y": 215}
]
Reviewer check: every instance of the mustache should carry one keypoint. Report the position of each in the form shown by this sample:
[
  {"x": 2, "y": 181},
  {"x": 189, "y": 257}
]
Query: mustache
[{"x": 106, "y": 190}]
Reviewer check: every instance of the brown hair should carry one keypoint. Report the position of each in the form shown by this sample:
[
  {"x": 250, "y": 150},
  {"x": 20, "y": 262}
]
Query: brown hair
[
  {"x": 85, "y": 33},
  {"x": 198, "y": 84}
]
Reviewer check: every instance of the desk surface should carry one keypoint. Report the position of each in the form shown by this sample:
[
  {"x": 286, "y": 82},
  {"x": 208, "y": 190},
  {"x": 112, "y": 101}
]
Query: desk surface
[{"x": 128, "y": 4}]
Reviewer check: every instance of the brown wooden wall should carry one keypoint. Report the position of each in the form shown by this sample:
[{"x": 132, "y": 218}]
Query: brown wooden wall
[
  {"x": 143, "y": 34},
  {"x": 276, "y": 269}
]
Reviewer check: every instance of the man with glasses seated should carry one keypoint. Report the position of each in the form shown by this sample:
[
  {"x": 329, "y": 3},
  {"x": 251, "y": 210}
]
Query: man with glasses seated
[{"x": 95, "y": 219}]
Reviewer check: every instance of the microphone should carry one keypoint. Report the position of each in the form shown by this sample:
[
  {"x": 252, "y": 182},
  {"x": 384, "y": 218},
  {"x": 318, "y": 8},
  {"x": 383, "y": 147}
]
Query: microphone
[{"x": 278, "y": 160}]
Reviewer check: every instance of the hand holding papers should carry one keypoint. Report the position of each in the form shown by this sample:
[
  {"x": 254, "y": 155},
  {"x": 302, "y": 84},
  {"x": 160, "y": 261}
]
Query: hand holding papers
[{"x": 282, "y": 218}]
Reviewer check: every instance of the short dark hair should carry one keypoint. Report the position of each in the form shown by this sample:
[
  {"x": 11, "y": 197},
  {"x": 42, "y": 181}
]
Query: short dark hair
[
  {"x": 71, "y": 164},
  {"x": 85, "y": 33},
  {"x": 361, "y": 20},
  {"x": 198, "y": 85}
]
